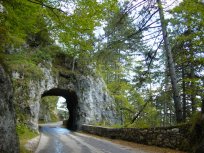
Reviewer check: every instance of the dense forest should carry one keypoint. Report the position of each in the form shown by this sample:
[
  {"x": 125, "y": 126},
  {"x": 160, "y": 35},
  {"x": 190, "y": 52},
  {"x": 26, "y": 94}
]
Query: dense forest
[{"x": 149, "y": 52}]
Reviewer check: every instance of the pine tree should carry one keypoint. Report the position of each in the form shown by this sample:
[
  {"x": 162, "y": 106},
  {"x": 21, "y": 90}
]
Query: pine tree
[{"x": 171, "y": 65}]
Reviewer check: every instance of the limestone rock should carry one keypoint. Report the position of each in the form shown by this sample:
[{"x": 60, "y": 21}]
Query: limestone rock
[
  {"x": 95, "y": 104},
  {"x": 8, "y": 138}
]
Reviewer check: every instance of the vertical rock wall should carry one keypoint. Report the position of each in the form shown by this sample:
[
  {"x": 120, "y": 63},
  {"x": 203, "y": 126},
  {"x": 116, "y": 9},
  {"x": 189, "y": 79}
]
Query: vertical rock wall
[
  {"x": 28, "y": 92},
  {"x": 8, "y": 137},
  {"x": 95, "y": 104}
]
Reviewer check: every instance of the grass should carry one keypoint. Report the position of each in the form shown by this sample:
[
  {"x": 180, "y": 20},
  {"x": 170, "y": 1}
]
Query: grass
[{"x": 25, "y": 134}]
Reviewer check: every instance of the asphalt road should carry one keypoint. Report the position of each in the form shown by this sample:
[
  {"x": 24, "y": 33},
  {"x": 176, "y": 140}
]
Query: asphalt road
[{"x": 55, "y": 139}]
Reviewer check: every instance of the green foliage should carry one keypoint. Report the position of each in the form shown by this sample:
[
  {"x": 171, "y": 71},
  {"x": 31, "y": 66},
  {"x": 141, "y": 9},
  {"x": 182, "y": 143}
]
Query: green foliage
[
  {"x": 22, "y": 64},
  {"x": 114, "y": 60},
  {"x": 187, "y": 38},
  {"x": 41, "y": 57},
  {"x": 50, "y": 102},
  {"x": 48, "y": 105},
  {"x": 54, "y": 117},
  {"x": 194, "y": 119},
  {"x": 63, "y": 115},
  {"x": 17, "y": 23},
  {"x": 24, "y": 134},
  {"x": 148, "y": 118},
  {"x": 76, "y": 31},
  {"x": 196, "y": 131},
  {"x": 119, "y": 91}
]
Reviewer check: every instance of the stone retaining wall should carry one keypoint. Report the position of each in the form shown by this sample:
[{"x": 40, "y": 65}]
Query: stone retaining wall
[{"x": 176, "y": 137}]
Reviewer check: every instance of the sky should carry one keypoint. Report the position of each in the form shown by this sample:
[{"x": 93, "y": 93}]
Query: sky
[{"x": 60, "y": 102}]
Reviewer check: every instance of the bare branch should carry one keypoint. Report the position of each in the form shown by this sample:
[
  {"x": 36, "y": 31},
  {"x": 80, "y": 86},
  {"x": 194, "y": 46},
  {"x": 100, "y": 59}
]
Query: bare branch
[
  {"x": 138, "y": 114},
  {"x": 151, "y": 33},
  {"x": 148, "y": 39},
  {"x": 137, "y": 5},
  {"x": 47, "y": 6},
  {"x": 154, "y": 55}
]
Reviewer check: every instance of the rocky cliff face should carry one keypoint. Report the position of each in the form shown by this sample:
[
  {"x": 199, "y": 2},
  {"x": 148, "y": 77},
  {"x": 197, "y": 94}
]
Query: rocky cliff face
[
  {"x": 87, "y": 97},
  {"x": 95, "y": 104},
  {"x": 8, "y": 137},
  {"x": 28, "y": 92}
]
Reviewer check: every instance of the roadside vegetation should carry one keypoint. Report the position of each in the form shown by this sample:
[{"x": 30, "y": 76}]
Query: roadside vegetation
[{"x": 25, "y": 134}]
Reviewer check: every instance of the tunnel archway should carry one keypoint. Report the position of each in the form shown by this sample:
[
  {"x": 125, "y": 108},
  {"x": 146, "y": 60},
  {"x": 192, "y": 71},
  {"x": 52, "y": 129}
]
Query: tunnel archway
[{"x": 72, "y": 104}]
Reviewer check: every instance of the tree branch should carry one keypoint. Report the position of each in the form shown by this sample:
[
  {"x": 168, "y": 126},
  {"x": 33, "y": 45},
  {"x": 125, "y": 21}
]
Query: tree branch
[
  {"x": 141, "y": 110},
  {"x": 47, "y": 6}
]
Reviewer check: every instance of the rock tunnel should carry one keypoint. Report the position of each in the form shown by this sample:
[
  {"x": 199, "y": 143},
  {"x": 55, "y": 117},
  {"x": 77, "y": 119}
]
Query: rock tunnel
[{"x": 72, "y": 104}]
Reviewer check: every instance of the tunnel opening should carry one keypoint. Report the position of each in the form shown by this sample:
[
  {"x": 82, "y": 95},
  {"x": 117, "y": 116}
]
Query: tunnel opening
[{"x": 71, "y": 102}]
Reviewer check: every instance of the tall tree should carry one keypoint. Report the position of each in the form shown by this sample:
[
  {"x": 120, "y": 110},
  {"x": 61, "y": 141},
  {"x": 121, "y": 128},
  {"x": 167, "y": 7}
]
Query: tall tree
[
  {"x": 176, "y": 96},
  {"x": 187, "y": 36}
]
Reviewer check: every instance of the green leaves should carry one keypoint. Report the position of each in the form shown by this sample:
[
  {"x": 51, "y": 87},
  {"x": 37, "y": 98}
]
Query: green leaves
[
  {"x": 187, "y": 34},
  {"x": 75, "y": 31},
  {"x": 20, "y": 17}
]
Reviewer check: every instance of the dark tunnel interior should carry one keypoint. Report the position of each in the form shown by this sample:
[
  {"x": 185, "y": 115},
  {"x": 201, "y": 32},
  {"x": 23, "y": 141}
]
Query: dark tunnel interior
[{"x": 72, "y": 104}]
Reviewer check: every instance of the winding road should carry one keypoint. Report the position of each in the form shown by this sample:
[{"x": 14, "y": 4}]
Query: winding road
[{"x": 55, "y": 139}]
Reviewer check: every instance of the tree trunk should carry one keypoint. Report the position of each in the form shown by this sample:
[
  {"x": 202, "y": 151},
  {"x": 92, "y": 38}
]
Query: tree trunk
[
  {"x": 166, "y": 94},
  {"x": 177, "y": 102},
  {"x": 193, "y": 86},
  {"x": 184, "y": 93},
  {"x": 170, "y": 117},
  {"x": 73, "y": 63},
  {"x": 202, "y": 107}
]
